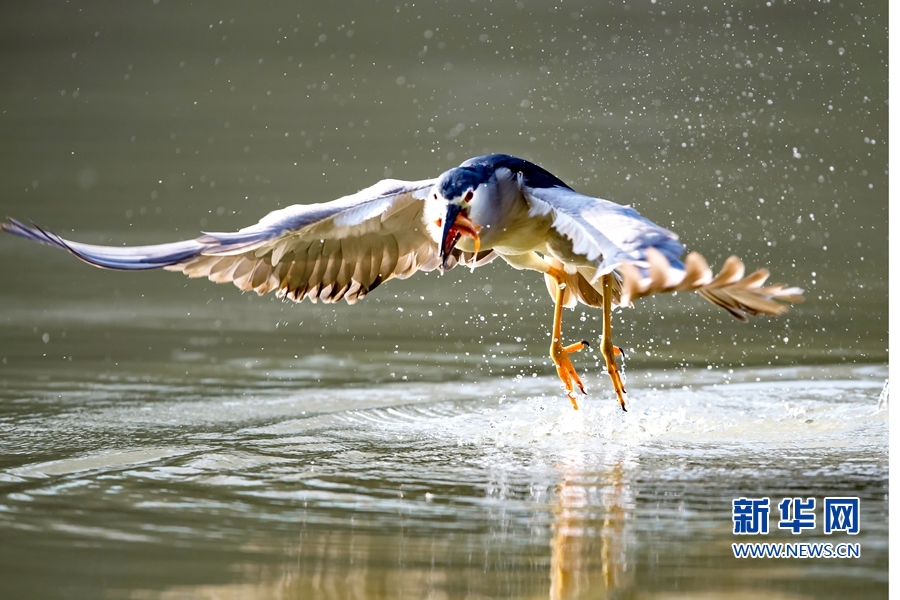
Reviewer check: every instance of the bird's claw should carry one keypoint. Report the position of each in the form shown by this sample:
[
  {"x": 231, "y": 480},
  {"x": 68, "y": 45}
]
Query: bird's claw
[{"x": 566, "y": 369}]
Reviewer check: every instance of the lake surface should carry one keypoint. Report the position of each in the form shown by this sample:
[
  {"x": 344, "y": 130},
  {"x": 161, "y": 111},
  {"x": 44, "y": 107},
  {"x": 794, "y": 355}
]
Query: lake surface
[{"x": 167, "y": 438}]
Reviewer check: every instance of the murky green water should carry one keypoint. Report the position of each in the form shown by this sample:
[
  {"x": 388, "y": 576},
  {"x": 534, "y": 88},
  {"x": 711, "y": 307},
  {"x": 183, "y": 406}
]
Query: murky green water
[{"x": 165, "y": 438}]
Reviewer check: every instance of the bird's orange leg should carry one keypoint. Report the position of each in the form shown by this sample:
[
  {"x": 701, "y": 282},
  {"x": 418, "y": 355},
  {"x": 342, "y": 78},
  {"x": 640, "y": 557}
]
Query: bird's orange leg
[
  {"x": 606, "y": 346},
  {"x": 560, "y": 353}
]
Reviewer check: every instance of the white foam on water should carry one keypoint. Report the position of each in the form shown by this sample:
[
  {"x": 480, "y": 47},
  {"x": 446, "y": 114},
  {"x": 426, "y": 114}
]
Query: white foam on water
[{"x": 837, "y": 407}]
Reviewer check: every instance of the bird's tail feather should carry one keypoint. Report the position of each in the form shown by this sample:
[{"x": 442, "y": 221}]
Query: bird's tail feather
[
  {"x": 741, "y": 296},
  {"x": 133, "y": 258}
]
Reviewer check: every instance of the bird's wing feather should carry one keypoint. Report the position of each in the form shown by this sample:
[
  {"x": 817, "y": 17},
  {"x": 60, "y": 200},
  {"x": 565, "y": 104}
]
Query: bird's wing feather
[
  {"x": 339, "y": 249},
  {"x": 647, "y": 256},
  {"x": 134, "y": 258},
  {"x": 603, "y": 232}
]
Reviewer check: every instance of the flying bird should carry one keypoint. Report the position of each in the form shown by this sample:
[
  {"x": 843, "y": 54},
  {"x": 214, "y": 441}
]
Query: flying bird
[{"x": 590, "y": 251}]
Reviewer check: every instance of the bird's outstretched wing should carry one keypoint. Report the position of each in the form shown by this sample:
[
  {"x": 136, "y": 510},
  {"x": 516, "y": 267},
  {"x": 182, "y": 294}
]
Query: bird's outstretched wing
[
  {"x": 647, "y": 257},
  {"x": 339, "y": 249},
  {"x": 599, "y": 230},
  {"x": 607, "y": 236}
]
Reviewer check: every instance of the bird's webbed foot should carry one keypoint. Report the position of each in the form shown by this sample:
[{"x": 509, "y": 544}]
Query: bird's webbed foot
[{"x": 565, "y": 368}]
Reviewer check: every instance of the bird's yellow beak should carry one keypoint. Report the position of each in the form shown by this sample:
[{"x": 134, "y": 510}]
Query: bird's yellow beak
[{"x": 456, "y": 224}]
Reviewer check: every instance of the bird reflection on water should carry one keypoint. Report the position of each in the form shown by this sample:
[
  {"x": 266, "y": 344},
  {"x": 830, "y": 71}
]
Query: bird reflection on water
[
  {"x": 590, "y": 553},
  {"x": 582, "y": 522}
]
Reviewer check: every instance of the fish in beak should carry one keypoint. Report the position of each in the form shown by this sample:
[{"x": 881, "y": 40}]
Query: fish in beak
[{"x": 457, "y": 224}]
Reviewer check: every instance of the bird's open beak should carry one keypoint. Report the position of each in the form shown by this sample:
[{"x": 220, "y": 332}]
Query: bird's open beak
[{"x": 456, "y": 224}]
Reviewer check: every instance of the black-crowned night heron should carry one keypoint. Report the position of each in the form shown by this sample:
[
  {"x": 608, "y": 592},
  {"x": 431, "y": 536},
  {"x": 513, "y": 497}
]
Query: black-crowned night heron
[{"x": 590, "y": 250}]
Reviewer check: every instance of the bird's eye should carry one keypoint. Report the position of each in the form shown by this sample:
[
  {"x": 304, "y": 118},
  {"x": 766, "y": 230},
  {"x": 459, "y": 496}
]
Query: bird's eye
[
  {"x": 468, "y": 197},
  {"x": 435, "y": 196}
]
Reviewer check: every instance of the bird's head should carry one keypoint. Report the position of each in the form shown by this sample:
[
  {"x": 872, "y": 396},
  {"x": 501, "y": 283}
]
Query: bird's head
[{"x": 453, "y": 200}]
